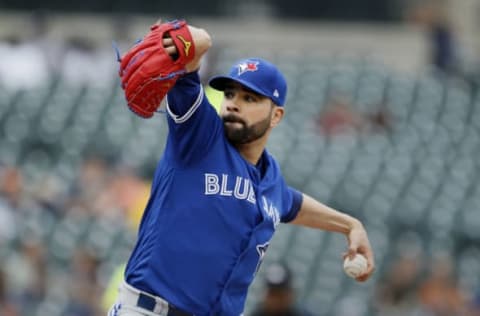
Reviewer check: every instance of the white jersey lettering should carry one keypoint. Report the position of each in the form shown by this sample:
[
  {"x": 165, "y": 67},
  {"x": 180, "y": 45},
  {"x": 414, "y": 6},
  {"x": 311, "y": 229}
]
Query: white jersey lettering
[
  {"x": 225, "y": 191},
  {"x": 238, "y": 184},
  {"x": 271, "y": 211},
  {"x": 216, "y": 185},
  {"x": 211, "y": 184}
]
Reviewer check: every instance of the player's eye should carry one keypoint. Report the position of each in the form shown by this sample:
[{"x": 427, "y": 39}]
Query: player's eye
[
  {"x": 228, "y": 94},
  {"x": 250, "y": 98}
]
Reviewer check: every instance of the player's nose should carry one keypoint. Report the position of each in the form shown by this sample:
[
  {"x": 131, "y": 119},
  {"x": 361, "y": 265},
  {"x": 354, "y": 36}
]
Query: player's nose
[{"x": 231, "y": 105}]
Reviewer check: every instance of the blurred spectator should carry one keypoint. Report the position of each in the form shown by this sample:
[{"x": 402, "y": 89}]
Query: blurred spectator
[
  {"x": 11, "y": 186},
  {"x": 91, "y": 179},
  {"x": 474, "y": 306},
  {"x": 380, "y": 120},
  {"x": 396, "y": 294},
  {"x": 443, "y": 47},
  {"x": 8, "y": 229},
  {"x": 279, "y": 299},
  {"x": 27, "y": 275},
  {"x": 50, "y": 194},
  {"x": 124, "y": 194},
  {"x": 11, "y": 191},
  {"x": 340, "y": 115},
  {"x": 84, "y": 290},
  {"x": 439, "y": 293},
  {"x": 7, "y": 308}
]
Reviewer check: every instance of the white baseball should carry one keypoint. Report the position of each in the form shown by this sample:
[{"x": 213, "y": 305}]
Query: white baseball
[{"x": 356, "y": 266}]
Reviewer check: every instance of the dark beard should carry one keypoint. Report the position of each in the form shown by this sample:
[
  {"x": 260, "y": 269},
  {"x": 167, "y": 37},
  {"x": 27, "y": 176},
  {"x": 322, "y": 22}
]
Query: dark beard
[{"x": 245, "y": 134}]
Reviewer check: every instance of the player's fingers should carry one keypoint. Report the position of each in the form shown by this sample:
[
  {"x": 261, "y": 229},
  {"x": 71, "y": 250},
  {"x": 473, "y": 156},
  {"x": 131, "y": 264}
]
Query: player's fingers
[
  {"x": 167, "y": 41},
  {"x": 368, "y": 253},
  {"x": 159, "y": 21},
  {"x": 370, "y": 265},
  {"x": 171, "y": 50},
  {"x": 350, "y": 253},
  {"x": 365, "y": 276}
]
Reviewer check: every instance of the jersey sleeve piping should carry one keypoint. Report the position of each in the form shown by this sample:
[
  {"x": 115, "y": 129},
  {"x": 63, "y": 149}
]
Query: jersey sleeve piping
[{"x": 190, "y": 112}]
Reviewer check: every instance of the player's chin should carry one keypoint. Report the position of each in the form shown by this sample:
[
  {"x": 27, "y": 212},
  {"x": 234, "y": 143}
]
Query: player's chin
[
  {"x": 235, "y": 135},
  {"x": 234, "y": 129}
]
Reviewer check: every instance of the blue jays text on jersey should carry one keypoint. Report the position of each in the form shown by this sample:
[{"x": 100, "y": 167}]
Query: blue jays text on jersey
[{"x": 211, "y": 213}]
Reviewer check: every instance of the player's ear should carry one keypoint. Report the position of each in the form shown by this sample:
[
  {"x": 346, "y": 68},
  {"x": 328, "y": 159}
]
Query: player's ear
[{"x": 277, "y": 115}]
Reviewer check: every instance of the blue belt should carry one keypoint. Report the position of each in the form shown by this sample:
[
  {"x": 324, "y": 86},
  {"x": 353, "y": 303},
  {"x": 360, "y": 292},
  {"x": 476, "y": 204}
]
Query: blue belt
[{"x": 148, "y": 302}]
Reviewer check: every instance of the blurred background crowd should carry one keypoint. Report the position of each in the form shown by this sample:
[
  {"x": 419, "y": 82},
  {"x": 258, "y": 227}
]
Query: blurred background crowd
[{"x": 383, "y": 122}]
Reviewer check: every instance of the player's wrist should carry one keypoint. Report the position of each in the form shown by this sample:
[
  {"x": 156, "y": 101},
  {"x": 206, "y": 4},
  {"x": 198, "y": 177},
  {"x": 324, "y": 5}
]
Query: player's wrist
[
  {"x": 354, "y": 224},
  {"x": 193, "y": 75},
  {"x": 202, "y": 42}
]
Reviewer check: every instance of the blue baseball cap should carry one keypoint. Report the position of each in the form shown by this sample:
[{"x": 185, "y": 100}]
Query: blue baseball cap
[{"x": 258, "y": 75}]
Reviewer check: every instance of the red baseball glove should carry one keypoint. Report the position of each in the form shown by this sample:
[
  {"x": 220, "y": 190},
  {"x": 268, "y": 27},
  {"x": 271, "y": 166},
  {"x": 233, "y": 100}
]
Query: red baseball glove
[{"x": 148, "y": 72}]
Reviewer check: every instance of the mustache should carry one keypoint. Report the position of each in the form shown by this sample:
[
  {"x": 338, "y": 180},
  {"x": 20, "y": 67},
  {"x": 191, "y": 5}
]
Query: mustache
[{"x": 230, "y": 118}]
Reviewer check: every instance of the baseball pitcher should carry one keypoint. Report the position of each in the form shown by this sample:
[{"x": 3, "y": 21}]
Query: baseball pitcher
[{"x": 217, "y": 194}]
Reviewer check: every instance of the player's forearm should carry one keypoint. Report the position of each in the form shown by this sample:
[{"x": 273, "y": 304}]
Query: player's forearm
[{"x": 317, "y": 215}]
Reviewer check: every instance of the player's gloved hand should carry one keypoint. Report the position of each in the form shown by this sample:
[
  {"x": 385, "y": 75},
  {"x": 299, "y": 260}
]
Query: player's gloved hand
[{"x": 153, "y": 65}]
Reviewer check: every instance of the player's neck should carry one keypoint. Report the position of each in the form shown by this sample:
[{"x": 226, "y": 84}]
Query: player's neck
[{"x": 252, "y": 151}]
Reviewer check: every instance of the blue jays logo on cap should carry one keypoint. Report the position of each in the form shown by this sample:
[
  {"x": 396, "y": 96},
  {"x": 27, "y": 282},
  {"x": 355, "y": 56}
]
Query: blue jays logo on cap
[
  {"x": 247, "y": 66},
  {"x": 258, "y": 75}
]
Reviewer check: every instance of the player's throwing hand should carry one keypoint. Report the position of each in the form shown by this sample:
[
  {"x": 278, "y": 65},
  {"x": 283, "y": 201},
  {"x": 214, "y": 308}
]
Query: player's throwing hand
[{"x": 358, "y": 243}]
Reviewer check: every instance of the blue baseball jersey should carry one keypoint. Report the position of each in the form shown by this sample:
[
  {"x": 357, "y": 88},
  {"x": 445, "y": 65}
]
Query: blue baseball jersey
[{"x": 211, "y": 213}]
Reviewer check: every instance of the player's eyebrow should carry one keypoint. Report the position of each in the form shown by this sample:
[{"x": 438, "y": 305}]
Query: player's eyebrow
[{"x": 243, "y": 88}]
